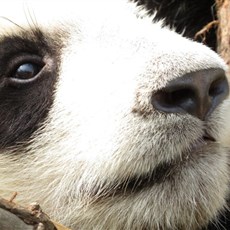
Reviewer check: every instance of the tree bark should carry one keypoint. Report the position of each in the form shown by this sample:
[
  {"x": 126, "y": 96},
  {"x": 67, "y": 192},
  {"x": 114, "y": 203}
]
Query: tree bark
[{"x": 223, "y": 31}]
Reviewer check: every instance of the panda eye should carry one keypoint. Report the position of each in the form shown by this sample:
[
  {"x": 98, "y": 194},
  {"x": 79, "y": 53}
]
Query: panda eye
[{"x": 25, "y": 71}]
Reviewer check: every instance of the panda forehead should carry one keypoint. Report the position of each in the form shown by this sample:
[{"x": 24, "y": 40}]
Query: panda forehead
[
  {"x": 105, "y": 20},
  {"x": 53, "y": 14},
  {"x": 59, "y": 19}
]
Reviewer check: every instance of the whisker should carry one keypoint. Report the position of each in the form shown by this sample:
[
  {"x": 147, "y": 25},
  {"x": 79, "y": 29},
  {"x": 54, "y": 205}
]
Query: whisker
[{"x": 14, "y": 23}]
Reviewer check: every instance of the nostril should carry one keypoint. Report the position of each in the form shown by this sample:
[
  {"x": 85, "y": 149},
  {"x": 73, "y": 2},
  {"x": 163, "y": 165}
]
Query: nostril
[
  {"x": 182, "y": 96},
  {"x": 218, "y": 87},
  {"x": 176, "y": 100}
]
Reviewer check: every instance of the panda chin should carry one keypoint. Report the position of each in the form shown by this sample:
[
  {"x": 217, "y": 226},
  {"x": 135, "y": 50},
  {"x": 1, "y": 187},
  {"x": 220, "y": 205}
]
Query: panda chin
[{"x": 162, "y": 173}]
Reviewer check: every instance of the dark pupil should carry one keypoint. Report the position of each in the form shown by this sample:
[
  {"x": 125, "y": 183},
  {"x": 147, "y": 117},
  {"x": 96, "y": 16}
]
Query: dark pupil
[{"x": 26, "y": 71}]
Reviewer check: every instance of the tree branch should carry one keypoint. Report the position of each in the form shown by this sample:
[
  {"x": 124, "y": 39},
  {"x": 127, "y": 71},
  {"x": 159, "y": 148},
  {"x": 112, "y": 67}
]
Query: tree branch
[{"x": 17, "y": 217}]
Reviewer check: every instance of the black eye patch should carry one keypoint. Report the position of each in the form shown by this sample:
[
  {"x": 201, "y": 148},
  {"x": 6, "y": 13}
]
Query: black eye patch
[{"x": 29, "y": 69}]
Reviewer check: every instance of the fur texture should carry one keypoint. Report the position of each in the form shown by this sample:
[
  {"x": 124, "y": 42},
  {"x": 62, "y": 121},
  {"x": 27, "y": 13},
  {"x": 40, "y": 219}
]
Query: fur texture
[
  {"x": 187, "y": 17},
  {"x": 101, "y": 135}
]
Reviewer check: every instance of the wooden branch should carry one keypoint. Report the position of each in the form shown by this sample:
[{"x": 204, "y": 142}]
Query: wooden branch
[
  {"x": 16, "y": 217},
  {"x": 223, "y": 30},
  {"x": 202, "y": 33}
]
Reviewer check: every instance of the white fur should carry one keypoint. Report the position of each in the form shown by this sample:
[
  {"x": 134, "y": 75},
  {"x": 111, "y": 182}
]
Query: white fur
[{"x": 115, "y": 59}]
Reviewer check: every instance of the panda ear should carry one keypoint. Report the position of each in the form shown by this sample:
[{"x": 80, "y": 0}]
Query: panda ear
[{"x": 179, "y": 15}]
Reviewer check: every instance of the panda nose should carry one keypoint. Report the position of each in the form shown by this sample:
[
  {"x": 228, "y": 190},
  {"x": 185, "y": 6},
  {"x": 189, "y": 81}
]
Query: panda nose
[{"x": 196, "y": 93}]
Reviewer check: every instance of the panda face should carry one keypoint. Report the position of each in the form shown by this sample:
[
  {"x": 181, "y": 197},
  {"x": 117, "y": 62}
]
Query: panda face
[{"x": 90, "y": 124}]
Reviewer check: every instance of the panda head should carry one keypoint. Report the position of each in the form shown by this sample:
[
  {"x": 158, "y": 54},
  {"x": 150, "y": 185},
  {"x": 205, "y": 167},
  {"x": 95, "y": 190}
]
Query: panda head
[{"x": 110, "y": 120}]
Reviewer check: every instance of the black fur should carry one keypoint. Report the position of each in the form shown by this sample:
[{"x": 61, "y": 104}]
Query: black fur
[
  {"x": 23, "y": 106},
  {"x": 222, "y": 222},
  {"x": 187, "y": 16}
]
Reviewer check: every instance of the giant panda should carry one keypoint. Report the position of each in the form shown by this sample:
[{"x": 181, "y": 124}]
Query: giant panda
[{"x": 110, "y": 119}]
